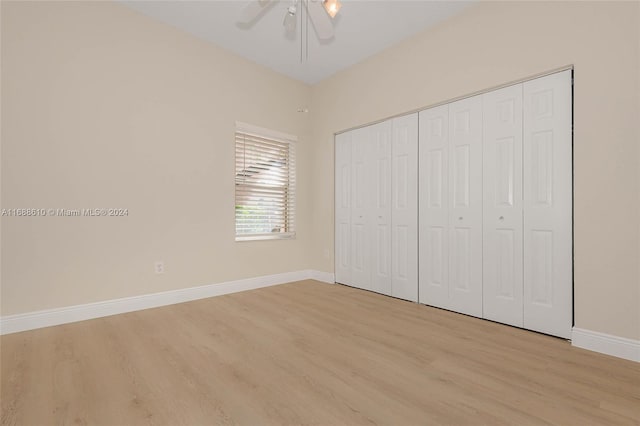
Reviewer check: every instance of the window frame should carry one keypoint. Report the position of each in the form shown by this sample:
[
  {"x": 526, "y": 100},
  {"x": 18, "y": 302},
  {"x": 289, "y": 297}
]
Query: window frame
[{"x": 290, "y": 188}]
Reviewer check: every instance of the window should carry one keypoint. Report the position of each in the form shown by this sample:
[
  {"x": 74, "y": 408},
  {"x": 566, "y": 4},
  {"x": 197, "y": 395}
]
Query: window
[{"x": 265, "y": 184}]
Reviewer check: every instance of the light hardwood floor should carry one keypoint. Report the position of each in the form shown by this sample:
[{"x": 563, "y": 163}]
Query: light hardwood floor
[{"x": 307, "y": 353}]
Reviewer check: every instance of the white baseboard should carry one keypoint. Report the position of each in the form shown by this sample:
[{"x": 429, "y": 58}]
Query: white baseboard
[
  {"x": 325, "y": 277},
  {"x": 620, "y": 347},
  {"x": 39, "y": 319}
]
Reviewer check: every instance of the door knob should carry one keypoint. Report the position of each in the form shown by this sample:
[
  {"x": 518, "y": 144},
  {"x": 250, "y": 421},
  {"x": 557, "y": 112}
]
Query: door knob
[
  {"x": 501, "y": 218},
  {"x": 460, "y": 218}
]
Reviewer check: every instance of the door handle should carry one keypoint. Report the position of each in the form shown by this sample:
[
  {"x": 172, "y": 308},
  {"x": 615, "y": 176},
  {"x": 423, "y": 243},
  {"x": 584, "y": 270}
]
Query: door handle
[
  {"x": 501, "y": 218},
  {"x": 460, "y": 218}
]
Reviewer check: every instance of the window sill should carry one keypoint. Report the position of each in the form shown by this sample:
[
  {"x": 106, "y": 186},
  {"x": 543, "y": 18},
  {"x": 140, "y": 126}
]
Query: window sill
[{"x": 262, "y": 237}]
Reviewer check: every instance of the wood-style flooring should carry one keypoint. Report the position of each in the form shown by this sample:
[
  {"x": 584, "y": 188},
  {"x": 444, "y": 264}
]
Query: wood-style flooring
[{"x": 307, "y": 353}]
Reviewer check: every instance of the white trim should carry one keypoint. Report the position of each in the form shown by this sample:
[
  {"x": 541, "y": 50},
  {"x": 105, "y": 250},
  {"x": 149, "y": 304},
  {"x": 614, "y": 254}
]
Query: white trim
[
  {"x": 325, "y": 277},
  {"x": 264, "y": 237},
  {"x": 46, "y": 318},
  {"x": 620, "y": 347}
]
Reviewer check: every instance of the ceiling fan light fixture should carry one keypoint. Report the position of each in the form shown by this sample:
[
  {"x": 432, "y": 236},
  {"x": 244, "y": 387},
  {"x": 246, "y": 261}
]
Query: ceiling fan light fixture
[
  {"x": 332, "y": 7},
  {"x": 289, "y": 22}
]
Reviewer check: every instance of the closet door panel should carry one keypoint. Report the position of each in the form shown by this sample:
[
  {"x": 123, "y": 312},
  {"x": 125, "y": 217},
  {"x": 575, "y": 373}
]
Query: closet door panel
[
  {"x": 502, "y": 206},
  {"x": 434, "y": 200},
  {"x": 361, "y": 238},
  {"x": 380, "y": 145},
  {"x": 343, "y": 208},
  {"x": 465, "y": 206},
  {"x": 548, "y": 276},
  {"x": 404, "y": 247}
]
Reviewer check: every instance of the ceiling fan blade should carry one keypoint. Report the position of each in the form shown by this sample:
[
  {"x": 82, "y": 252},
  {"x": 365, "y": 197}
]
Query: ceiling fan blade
[
  {"x": 253, "y": 9},
  {"x": 321, "y": 21}
]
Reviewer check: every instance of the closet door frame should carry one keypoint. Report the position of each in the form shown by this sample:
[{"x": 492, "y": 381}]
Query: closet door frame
[{"x": 521, "y": 309}]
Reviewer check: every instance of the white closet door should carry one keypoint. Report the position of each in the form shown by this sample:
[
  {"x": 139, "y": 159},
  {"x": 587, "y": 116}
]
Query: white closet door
[
  {"x": 465, "y": 206},
  {"x": 434, "y": 218},
  {"x": 404, "y": 247},
  {"x": 502, "y": 206},
  {"x": 343, "y": 208},
  {"x": 548, "y": 205},
  {"x": 380, "y": 144},
  {"x": 360, "y": 209}
]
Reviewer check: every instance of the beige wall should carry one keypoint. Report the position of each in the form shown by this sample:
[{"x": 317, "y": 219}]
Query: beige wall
[
  {"x": 103, "y": 107},
  {"x": 494, "y": 43}
]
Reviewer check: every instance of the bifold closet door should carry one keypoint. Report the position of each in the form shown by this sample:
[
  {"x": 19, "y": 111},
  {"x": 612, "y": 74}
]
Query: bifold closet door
[
  {"x": 379, "y": 144},
  {"x": 434, "y": 216},
  {"x": 404, "y": 211},
  {"x": 548, "y": 276},
  {"x": 465, "y": 206},
  {"x": 451, "y": 206},
  {"x": 343, "y": 208},
  {"x": 502, "y": 206},
  {"x": 360, "y": 209},
  {"x": 376, "y": 207},
  {"x": 495, "y": 206},
  {"x": 363, "y": 208}
]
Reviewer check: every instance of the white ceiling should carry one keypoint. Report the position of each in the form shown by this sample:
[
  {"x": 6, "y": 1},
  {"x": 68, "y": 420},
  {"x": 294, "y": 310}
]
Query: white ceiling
[{"x": 361, "y": 29}]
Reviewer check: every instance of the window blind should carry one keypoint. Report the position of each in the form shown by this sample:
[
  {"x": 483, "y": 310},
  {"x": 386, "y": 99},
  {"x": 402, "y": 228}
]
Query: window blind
[{"x": 265, "y": 187}]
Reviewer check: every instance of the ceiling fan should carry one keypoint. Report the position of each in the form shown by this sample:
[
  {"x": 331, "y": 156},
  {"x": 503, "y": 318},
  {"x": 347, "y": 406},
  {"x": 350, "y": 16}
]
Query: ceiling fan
[{"x": 319, "y": 11}]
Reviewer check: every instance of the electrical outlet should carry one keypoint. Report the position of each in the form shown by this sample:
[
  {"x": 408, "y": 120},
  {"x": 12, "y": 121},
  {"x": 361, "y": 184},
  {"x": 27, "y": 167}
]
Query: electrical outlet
[{"x": 159, "y": 267}]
